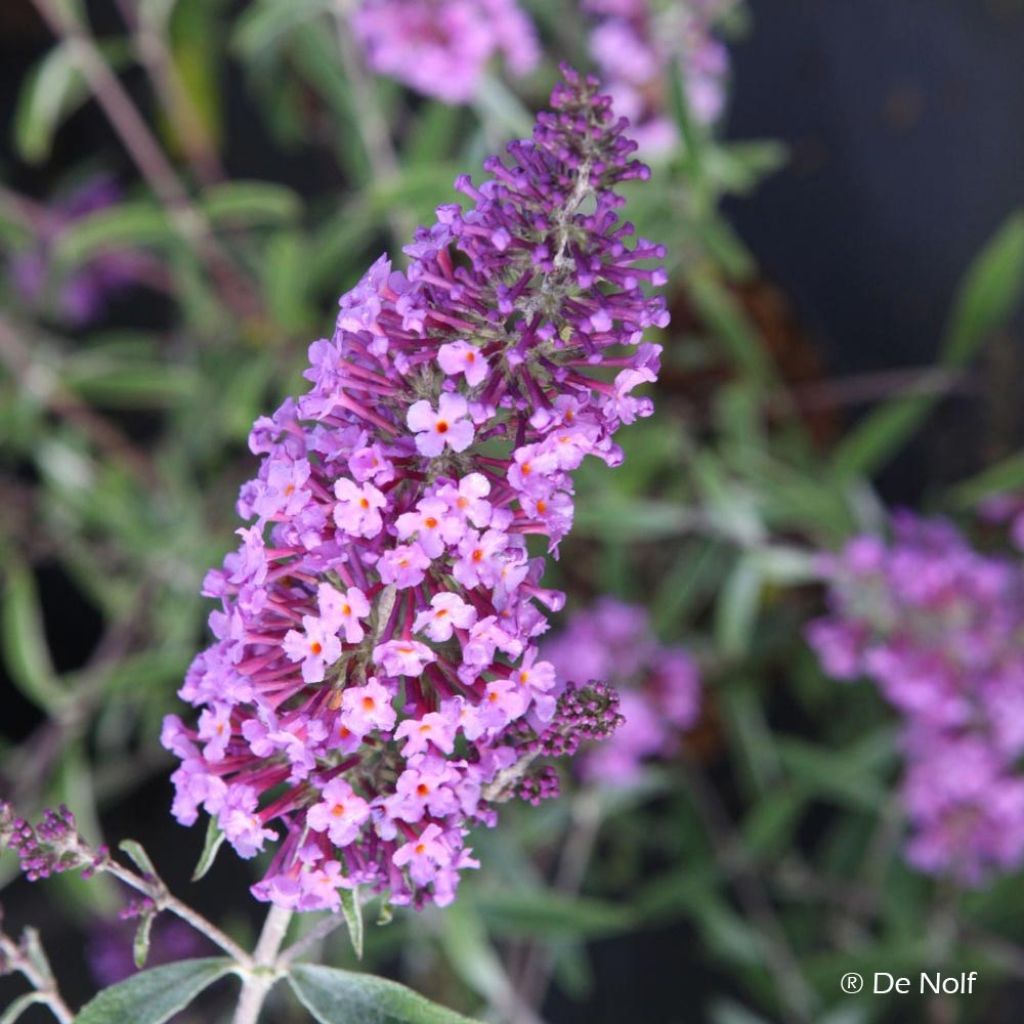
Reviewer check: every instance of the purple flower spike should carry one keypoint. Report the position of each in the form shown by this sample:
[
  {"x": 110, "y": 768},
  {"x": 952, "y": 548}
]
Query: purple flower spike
[
  {"x": 938, "y": 627},
  {"x": 442, "y": 47},
  {"x": 375, "y": 686}
]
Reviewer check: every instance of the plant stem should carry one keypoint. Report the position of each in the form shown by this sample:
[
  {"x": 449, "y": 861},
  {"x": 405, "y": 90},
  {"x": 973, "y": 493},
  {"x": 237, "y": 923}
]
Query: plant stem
[
  {"x": 798, "y": 1003},
  {"x": 260, "y": 978},
  {"x": 316, "y": 934},
  {"x": 150, "y": 159},
  {"x": 36, "y": 970},
  {"x": 577, "y": 849},
  {"x": 155, "y": 54},
  {"x": 155, "y": 889}
]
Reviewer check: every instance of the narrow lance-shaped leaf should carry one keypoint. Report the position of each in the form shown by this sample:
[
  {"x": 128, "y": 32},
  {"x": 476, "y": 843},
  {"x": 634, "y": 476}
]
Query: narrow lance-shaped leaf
[
  {"x": 138, "y": 856},
  {"x": 154, "y": 996},
  {"x": 24, "y": 642},
  {"x": 334, "y": 996},
  {"x": 212, "y": 843},
  {"x": 140, "y": 945},
  {"x": 352, "y": 908}
]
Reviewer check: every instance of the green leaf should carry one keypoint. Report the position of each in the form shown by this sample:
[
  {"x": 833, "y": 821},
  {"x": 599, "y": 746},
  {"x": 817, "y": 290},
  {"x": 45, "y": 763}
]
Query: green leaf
[
  {"x": 850, "y": 781},
  {"x": 545, "y": 913},
  {"x": 265, "y": 25},
  {"x": 20, "y": 1005},
  {"x": 26, "y": 654},
  {"x": 353, "y": 911},
  {"x": 989, "y": 294},
  {"x": 729, "y": 323},
  {"x": 690, "y": 130},
  {"x": 334, "y": 996},
  {"x": 472, "y": 956},
  {"x": 250, "y": 204},
  {"x": 1004, "y": 476},
  {"x": 986, "y": 299},
  {"x": 154, "y": 996},
  {"x": 129, "y": 224},
  {"x": 214, "y": 838},
  {"x": 52, "y": 90},
  {"x": 737, "y": 610},
  {"x": 498, "y": 105},
  {"x": 138, "y": 856},
  {"x": 140, "y": 945}
]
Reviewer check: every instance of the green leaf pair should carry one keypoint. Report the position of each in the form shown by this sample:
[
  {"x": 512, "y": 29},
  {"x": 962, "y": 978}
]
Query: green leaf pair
[{"x": 331, "y": 995}]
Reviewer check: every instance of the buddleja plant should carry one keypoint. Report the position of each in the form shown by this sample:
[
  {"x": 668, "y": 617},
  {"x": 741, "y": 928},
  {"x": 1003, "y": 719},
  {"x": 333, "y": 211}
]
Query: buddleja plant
[{"x": 374, "y": 689}]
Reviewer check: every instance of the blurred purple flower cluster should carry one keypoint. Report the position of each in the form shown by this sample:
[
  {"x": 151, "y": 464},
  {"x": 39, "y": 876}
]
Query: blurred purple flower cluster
[
  {"x": 659, "y": 687},
  {"x": 442, "y": 47},
  {"x": 81, "y": 296},
  {"x": 939, "y": 627},
  {"x": 375, "y": 687},
  {"x": 634, "y": 42},
  {"x": 109, "y": 947}
]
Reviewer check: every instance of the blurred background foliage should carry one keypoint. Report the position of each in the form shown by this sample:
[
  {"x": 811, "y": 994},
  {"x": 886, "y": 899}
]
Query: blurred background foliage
[{"x": 258, "y": 170}]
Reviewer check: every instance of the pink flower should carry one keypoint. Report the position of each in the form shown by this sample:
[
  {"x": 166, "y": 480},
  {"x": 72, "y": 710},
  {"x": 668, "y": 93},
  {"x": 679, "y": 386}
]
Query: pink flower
[
  {"x": 480, "y": 558},
  {"x": 434, "y": 727},
  {"x": 531, "y": 470},
  {"x": 447, "y": 426},
  {"x": 468, "y": 501},
  {"x": 215, "y": 728},
  {"x": 316, "y": 647},
  {"x": 358, "y": 508},
  {"x": 462, "y": 357},
  {"x": 340, "y": 813},
  {"x": 404, "y": 565},
  {"x": 241, "y": 824},
  {"x": 424, "y": 787},
  {"x": 403, "y": 657},
  {"x": 446, "y": 613},
  {"x": 423, "y": 856},
  {"x": 365, "y": 708},
  {"x": 433, "y": 525},
  {"x": 343, "y": 611}
]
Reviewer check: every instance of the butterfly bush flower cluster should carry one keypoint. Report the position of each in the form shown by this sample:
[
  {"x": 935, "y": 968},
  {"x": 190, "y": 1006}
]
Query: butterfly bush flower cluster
[
  {"x": 375, "y": 687},
  {"x": 633, "y": 43},
  {"x": 659, "y": 686},
  {"x": 939, "y": 627},
  {"x": 442, "y": 48}
]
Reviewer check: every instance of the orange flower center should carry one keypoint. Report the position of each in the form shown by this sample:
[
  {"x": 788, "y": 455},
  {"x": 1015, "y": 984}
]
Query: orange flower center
[
  {"x": 338, "y": 810},
  {"x": 316, "y": 647},
  {"x": 442, "y": 426}
]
